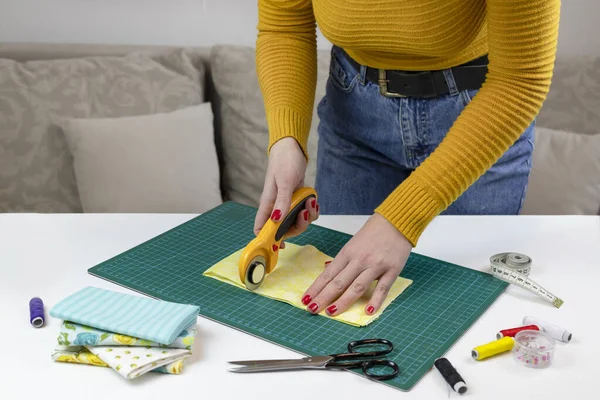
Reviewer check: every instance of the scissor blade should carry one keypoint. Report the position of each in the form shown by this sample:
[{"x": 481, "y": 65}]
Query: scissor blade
[
  {"x": 251, "y": 363},
  {"x": 280, "y": 365},
  {"x": 265, "y": 368}
]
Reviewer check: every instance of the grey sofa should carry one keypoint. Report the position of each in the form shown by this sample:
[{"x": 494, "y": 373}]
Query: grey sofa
[{"x": 36, "y": 165}]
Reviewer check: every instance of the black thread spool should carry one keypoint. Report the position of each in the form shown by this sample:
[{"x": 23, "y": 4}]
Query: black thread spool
[{"x": 451, "y": 376}]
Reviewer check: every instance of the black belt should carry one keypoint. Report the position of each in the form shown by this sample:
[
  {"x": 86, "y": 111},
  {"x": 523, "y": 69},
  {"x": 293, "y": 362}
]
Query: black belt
[{"x": 426, "y": 84}]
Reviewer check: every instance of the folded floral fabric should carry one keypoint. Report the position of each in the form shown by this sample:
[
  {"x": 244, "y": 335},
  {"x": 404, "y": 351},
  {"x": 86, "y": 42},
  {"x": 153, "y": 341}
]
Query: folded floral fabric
[
  {"x": 76, "y": 340},
  {"x": 132, "y": 362},
  {"x": 76, "y": 355},
  {"x": 136, "y": 316},
  {"x": 81, "y": 355},
  {"x": 296, "y": 270},
  {"x": 175, "y": 368},
  {"x": 75, "y": 334}
]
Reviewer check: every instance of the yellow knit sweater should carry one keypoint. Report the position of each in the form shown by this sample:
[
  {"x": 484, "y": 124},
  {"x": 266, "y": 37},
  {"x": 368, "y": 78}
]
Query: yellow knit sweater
[{"x": 520, "y": 37}]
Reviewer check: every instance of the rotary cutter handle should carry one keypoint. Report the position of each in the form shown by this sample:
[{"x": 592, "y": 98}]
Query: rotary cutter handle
[{"x": 260, "y": 256}]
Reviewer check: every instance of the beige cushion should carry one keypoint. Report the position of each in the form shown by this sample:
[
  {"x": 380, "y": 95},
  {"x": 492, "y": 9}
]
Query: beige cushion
[
  {"x": 573, "y": 103},
  {"x": 36, "y": 173},
  {"x": 159, "y": 163},
  {"x": 565, "y": 176},
  {"x": 244, "y": 133}
]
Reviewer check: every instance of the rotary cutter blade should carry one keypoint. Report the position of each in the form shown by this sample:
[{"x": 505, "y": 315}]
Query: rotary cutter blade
[
  {"x": 255, "y": 273},
  {"x": 260, "y": 256}
]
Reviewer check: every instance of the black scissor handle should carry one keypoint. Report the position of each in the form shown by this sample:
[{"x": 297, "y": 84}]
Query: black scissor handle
[
  {"x": 354, "y": 353},
  {"x": 349, "y": 360},
  {"x": 367, "y": 365},
  {"x": 353, "y": 346}
]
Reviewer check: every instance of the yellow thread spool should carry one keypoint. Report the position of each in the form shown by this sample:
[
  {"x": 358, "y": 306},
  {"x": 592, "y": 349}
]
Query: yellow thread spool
[{"x": 493, "y": 348}]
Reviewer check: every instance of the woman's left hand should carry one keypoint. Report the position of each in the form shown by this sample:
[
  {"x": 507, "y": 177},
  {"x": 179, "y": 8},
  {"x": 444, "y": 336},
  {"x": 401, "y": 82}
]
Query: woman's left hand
[{"x": 377, "y": 252}]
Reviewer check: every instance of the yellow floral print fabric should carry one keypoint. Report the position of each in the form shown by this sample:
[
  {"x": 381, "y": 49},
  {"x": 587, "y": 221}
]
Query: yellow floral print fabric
[
  {"x": 296, "y": 270},
  {"x": 76, "y": 355},
  {"x": 175, "y": 368}
]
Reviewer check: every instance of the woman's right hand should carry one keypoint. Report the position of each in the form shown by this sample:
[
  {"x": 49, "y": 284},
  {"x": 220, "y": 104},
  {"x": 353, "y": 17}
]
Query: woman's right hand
[{"x": 285, "y": 174}]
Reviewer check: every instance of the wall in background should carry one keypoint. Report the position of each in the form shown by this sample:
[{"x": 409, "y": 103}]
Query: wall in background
[
  {"x": 201, "y": 22},
  {"x": 579, "y": 27}
]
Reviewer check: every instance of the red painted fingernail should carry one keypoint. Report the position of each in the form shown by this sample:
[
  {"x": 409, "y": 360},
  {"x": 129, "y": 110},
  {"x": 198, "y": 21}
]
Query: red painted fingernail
[
  {"x": 327, "y": 262},
  {"x": 370, "y": 309},
  {"x": 317, "y": 208},
  {"x": 313, "y": 203},
  {"x": 276, "y": 215},
  {"x": 313, "y": 307},
  {"x": 306, "y": 299},
  {"x": 275, "y": 248},
  {"x": 305, "y": 215},
  {"x": 331, "y": 309}
]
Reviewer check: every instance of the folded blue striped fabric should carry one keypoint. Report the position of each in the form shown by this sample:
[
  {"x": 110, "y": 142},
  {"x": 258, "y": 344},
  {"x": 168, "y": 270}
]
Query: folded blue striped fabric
[{"x": 125, "y": 314}]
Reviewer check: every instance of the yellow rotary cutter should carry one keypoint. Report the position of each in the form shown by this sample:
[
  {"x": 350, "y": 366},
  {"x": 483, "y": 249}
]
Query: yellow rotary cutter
[{"x": 259, "y": 258}]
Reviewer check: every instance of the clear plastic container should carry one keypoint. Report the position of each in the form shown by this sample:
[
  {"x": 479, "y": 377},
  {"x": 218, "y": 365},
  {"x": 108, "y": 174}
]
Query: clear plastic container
[{"x": 534, "y": 349}]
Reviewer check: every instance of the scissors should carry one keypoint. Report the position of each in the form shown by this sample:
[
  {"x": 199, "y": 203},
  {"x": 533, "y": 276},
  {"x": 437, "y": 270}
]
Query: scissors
[
  {"x": 260, "y": 256},
  {"x": 348, "y": 360}
]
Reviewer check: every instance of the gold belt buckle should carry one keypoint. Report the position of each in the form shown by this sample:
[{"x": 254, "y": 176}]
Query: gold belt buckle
[{"x": 383, "y": 85}]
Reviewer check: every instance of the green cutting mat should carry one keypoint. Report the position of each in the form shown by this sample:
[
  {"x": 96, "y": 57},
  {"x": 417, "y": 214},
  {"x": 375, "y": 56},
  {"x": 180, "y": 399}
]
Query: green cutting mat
[{"x": 423, "y": 323}]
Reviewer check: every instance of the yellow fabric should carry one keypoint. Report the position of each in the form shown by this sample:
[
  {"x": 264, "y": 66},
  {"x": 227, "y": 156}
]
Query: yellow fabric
[
  {"x": 296, "y": 270},
  {"x": 520, "y": 37}
]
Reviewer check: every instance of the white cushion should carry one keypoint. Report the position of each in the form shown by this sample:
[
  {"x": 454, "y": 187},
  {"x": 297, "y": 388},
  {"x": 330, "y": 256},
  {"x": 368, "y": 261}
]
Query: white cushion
[
  {"x": 158, "y": 163},
  {"x": 565, "y": 176}
]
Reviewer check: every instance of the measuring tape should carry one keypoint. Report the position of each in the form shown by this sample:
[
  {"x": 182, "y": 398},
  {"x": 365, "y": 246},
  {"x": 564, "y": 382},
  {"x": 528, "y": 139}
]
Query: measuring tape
[{"x": 514, "y": 268}]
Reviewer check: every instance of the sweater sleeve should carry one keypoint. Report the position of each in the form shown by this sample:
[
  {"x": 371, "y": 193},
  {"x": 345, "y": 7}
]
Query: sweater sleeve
[
  {"x": 522, "y": 37},
  {"x": 286, "y": 63}
]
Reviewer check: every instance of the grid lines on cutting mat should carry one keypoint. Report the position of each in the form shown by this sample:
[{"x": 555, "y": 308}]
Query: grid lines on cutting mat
[{"x": 423, "y": 323}]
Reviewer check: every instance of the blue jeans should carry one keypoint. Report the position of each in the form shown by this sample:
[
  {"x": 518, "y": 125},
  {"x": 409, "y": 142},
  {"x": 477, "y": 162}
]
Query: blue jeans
[{"x": 369, "y": 144}]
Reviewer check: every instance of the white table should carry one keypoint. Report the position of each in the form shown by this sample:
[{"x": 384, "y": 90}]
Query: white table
[{"x": 48, "y": 256}]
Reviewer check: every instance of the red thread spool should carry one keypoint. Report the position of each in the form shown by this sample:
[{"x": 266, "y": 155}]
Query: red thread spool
[{"x": 512, "y": 332}]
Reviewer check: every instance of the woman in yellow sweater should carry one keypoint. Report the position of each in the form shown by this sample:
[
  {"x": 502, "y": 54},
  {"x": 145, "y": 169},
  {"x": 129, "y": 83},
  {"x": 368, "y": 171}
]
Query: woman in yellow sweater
[{"x": 429, "y": 109}]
